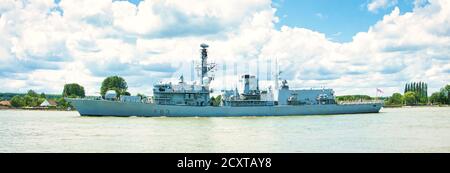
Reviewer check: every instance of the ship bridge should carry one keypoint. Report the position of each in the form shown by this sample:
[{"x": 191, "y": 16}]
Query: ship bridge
[{"x": 183, "y": 93}]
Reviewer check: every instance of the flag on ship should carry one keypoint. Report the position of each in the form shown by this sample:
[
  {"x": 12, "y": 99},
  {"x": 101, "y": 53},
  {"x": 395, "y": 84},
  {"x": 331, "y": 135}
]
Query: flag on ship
[{"x": 379, "y": 90}]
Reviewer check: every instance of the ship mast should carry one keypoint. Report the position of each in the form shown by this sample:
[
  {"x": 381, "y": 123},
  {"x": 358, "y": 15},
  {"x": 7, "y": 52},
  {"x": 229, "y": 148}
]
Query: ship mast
[
  {"x": 257, "y": 74},
  {"x": 192, "y": 71},
  {"x": 276, "y": 74},
  {"x": 205, "y": 66}
]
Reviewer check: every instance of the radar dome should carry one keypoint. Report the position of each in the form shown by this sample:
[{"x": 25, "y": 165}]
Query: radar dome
[{"x": 110, "y": 94}]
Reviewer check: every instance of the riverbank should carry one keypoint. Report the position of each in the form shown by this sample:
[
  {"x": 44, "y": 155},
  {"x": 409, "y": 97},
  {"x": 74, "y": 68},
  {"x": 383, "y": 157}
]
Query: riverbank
[
  {"x": 416, "y": 106},
  {"x": 34, "y": 109}
]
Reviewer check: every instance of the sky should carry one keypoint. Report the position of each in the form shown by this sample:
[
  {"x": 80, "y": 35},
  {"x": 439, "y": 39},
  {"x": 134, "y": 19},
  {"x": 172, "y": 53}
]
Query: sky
[
  {"x": 338, "y": 20},
  {"x": 353, "y": 46}
]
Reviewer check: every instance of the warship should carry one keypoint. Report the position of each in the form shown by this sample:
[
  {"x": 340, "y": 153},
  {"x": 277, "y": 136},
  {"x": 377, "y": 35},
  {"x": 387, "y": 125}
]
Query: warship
[{"x": 183, "y": 99}]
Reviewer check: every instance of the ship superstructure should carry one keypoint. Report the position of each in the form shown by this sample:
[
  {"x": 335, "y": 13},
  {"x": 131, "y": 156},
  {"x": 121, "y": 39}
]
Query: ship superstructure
[{"x": 188, "y": 94}]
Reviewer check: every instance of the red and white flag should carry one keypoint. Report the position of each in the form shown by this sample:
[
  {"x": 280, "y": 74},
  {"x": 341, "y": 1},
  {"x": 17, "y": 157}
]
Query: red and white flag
[{"x": 379, "y": 90}]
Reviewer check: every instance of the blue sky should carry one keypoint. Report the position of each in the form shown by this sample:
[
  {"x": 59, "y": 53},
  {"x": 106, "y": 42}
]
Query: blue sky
[{"x": 338, "y": 19}]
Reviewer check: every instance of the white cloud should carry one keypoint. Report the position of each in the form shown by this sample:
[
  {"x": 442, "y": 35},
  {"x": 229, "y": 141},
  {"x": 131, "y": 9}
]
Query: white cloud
[
  {"x": 375, "y": 5},
  {"x": 321, "y": 16},
  {"x": 42, "y": 48},
  {"x": 420, "y": 3}
]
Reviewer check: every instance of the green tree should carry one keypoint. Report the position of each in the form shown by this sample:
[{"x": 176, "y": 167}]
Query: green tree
[
  {"x": 410, "y": 98},
  {"x": 353, "y": 97},
  {"x": 31, "y": 93},
  {"x": 216, "y": 101},
  {"x": 446, "y": 94},
  {"x": 442, "y": 96},
  {"x": 141, "y": 95},
  {"x": 396, "y": 99},
  {"x": 114, "y": 83},
  {"x": 426, "y": 93},
  {"x": 73, "y": 90},
  {"x": 420, "y": 91},
  {"x": 17, "y": 101},
  {"x": 32, "y": 101},
  {"x": 28, "y": 100},
  {"x": 436, "y": 98},
  {"x": 62, "y": 103},
  {"x": 212, "y": 100}
]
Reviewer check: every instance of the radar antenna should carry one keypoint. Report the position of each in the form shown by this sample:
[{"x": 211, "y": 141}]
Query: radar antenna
[{"x": 205, "y": 67}]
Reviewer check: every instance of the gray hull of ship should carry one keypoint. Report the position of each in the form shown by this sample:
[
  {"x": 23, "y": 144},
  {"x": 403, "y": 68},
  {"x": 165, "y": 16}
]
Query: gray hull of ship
[{"x": 112, "y": 108}]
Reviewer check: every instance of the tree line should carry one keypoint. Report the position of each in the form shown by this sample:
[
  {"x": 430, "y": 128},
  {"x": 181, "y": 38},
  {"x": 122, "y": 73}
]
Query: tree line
[
  {"x": 31, "y": 99},
  {"x": 442, "y": 96},
  {"x": 353, "y": 98},
  {"x": 71, "y": 90},
  {"x": 416, "y": 93}
]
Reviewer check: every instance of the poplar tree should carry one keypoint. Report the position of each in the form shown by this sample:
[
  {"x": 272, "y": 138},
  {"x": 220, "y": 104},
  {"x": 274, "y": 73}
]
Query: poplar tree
[{"x": 420, "y": 90}]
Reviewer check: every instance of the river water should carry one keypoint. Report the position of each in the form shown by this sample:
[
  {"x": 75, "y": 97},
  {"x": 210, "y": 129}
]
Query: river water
[{"x": 425, "y": 129}]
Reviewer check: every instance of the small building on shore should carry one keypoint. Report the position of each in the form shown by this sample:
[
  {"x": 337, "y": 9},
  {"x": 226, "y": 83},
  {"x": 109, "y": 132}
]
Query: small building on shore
[
  {"x": 49, "y": 103},
  {"x": 5, "y": 104}
]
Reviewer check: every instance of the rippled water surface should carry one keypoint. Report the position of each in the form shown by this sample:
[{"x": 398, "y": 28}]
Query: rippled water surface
[{"x": 424, "y": 129}]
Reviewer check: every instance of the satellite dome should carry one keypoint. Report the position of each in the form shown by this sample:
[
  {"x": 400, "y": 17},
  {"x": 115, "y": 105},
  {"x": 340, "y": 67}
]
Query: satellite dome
[{"x": 110, "y": 94}]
